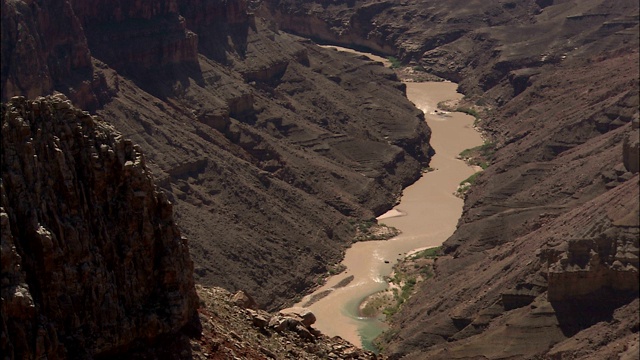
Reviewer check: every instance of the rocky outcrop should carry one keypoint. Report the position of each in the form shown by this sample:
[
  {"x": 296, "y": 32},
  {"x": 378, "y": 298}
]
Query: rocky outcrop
[
  {"x": 92, "y": 261},
  {"x": 606, "y": 258},
  {"x": 231, "y": 331},
  {"x": 44, "y": 48}
]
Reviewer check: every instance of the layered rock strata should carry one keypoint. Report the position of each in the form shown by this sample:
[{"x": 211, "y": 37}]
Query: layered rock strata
[{"x": 92, "y": 260}]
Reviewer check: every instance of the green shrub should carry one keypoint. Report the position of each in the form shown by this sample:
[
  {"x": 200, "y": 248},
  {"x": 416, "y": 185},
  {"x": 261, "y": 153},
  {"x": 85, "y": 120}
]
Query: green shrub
[
  {"x": 480, "y": 155},
  {"x": 395, "y": 63},
  {"x": 469, "y": 111},
  {"x": 427, "y": 253},
  {"x": 471, "y": 179}
]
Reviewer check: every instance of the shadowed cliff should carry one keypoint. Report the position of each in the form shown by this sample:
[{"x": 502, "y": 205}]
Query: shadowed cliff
[{"x": 92, "y": 260}]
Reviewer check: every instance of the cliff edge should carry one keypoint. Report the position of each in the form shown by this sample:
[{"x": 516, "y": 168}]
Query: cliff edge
[{"x": 92, "y": 260}]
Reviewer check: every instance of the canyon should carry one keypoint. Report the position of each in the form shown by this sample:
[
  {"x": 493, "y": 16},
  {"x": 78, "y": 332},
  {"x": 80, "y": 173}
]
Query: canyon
[
  {"x": 264, "y": 152},
  {"x": 241, "y": 126},
  {"x": 557, "y": 83},
  {"x": 269, "y": 129}
]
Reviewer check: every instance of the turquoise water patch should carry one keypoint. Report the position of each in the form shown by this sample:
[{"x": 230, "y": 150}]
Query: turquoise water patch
[
  {"x": 368, "y": 328},
  {"x": 371, "y": 329}
]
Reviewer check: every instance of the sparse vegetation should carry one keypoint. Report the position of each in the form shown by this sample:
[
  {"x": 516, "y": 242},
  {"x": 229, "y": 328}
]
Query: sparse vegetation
[
  {"x": 480, "y": 155},
  {"x": 395, "y": 63},
  {"x": 336, "y": 269},
  {"x": 466, "y": 184},
  {"x": 481, "y": 102},
  {"x": 469, "y": 111},
  {"x": 374, "y": 305},
  {"x": 385, "y": 338},
  {"x": 430, "y": 253},
  {"x": 407, "y": 274},
  {"x": 470, "y": 180},
  {"x": 371, "y": 230}
]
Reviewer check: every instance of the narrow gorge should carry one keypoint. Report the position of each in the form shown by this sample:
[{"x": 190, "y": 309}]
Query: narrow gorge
[
  {"x": 426, "y": 216},
  {"x": 175, "y": 171},
  {"x": 556, "y": 83}
]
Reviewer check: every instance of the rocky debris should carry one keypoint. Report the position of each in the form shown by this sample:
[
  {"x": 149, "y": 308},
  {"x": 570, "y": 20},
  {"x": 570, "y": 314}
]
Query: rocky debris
[
  {"x": 244, "y": 300},
  {"x": 231, "y": 332},
  {"x": 242, "y": 126},
  {"x": 92, "y": 260},
  {"x": 304, "y": 315}
]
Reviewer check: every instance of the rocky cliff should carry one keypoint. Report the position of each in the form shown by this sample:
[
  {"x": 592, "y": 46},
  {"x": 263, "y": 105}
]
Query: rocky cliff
[
  {"x": 92, "y": 260},
  {"x": 544, "y": 260},
  {"x": 270, "y": 148}
]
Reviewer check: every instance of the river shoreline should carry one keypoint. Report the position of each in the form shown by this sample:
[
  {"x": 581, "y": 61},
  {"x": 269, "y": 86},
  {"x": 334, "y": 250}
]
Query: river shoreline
[{"x": 426, "y": 215}]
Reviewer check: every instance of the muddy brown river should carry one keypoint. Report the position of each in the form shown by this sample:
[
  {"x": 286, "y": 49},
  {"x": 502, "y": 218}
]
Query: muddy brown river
[{"x": 427, "y": 215}]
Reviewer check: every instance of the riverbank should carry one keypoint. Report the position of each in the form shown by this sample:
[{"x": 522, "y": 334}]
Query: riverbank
[
  {"x": 426, "y": 216},
  {"x": 414, "y": 268}
]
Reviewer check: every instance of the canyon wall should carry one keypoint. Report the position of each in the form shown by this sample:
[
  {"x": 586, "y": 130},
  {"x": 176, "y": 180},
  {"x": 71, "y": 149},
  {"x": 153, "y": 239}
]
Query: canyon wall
[
  {"x": 544, "y": 260},
  {"x": 270, "y": 149},
  {"x": 92, "y": 260}
]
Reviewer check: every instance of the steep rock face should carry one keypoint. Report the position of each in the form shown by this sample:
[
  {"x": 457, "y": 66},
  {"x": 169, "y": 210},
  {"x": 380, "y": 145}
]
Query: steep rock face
[
  {"x": 44, "y": 48},
  {"x": 92, "y": 261},
  {"x": 222, "y": 27},
  {"x": 270, "y": 148},
  {"x": 138, "y": 39}
]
